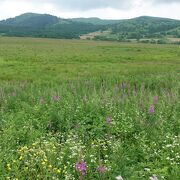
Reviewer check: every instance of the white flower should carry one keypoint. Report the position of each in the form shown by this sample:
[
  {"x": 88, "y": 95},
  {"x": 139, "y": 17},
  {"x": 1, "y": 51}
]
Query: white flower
[
  {"x": 154, "y": 177},
  {"x": 147, "y": 169},
  {"x": 119, "y": 178}
]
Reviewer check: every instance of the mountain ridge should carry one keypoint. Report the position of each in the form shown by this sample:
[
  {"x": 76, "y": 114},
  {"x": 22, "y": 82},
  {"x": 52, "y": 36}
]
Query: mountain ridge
[{"x": 46, "y": 25}]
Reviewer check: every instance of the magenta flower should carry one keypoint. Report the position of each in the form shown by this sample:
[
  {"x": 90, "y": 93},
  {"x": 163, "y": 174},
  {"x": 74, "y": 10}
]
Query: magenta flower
[
  {"x": 102, "y": 169},
  {"x": 151, "y": 110},
  {"x": 81, "y": 167},
  {"x": 109, "y": 120}
]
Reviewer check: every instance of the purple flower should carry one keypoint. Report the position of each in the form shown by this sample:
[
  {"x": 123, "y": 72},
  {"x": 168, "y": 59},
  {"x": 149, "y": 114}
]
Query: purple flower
[
  {"x": 81, "y": 167},
  {"x": 109, "y": 120},
  {"x": 151, "y": 109},
  {"x": 55, "y": 98},
  {"x": 102, "y": 169}
]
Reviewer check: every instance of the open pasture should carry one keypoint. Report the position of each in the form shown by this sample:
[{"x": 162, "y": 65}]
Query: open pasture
[{"x": 73, "y": 109}]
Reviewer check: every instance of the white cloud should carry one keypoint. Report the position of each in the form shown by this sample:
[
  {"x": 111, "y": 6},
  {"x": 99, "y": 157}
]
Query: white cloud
[{"x": 110, "y": 9}]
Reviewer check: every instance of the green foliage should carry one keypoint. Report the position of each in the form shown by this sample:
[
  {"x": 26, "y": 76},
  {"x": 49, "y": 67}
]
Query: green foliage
[
  {"x": 69, "y": 102},
  {"x": 145, "y": 27}
]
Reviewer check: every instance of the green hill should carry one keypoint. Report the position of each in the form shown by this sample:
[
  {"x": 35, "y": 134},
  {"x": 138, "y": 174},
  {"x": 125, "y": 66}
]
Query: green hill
[{"x": 45, "y": 25}]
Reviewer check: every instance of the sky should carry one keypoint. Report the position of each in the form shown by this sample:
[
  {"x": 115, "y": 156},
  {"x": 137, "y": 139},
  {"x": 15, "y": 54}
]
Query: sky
[{"x": 105, "y": 9}]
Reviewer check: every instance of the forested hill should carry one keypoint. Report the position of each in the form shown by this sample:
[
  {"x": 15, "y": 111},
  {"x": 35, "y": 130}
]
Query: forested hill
[{"x": 44, "y": 25}]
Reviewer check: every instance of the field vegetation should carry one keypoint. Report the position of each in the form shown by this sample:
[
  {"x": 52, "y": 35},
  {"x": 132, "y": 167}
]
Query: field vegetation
[{"x": 72, "y": 109}]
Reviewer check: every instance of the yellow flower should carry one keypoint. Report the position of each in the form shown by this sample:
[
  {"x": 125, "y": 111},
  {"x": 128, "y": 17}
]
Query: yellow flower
[
  {"x": 26, "y": 168},
  {"x": 43, "y": 163},
  {"x": 20, "y": 158},
  {"x": 34, "y": 144},
  {"x": 59, "y": 170},
  {"x": 50, "y": 166},
  {"x": 8, "y": 167}
]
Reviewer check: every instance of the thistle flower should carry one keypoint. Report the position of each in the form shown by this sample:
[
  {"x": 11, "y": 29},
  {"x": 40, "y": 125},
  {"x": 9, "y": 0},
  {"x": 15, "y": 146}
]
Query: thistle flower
[
  {"x": 151, "y": 109},
  {"x": 81, "y": 167}
]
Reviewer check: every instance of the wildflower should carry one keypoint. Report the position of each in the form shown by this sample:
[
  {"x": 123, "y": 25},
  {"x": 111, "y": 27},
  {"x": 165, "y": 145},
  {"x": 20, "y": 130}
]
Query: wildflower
[
  {"x": 151, "y": 110},
  {"x": 50, "y": 166},
  {"x": 13, "y": 94},
  {"x": 156, "y": 99},
  {"x": 109, "y": 120},
  {"x": 58, "y": 171},
  {"x": 43, "y": 163},
  {"x": 147, "y": 169},
  {"x": 81, "y": 167},
  {"x": 20, "y": 158},
  {"x": 8, "y": 167},
  {"x": 102, "y": 169},
  {"x": 42, "y": 101},
  {"x": 119, "y": 178},
  {"x": 55, "y": 98},
  {"x": 26, "y": 168},
  {"x": 153, "y": 177}
]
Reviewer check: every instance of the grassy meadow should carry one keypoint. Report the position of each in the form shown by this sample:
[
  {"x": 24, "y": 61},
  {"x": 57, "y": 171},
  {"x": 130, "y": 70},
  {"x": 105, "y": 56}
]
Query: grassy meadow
[{"x": 74, "y": 109}]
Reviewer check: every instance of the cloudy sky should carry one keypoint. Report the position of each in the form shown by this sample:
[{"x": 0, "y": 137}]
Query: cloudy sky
[{"x": 106, "y": 9}]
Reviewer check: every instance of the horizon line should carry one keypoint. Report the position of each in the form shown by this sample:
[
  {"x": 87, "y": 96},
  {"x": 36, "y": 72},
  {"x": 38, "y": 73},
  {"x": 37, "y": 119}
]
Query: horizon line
[{"x": 89, "y": 17}]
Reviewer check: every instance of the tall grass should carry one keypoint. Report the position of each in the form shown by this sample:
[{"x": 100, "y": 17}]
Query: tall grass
[{"x": 99, "y": 126}]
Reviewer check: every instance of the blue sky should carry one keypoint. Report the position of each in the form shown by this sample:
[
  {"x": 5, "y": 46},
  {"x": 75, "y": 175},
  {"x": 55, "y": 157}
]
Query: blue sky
[{"x": 106, "y": 9}]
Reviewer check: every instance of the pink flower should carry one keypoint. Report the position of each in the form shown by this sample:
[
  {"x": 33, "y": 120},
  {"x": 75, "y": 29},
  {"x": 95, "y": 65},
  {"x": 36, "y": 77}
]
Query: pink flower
[
  {"x": 151, "y": 110},
  {"x": 156, "y": 99},
  {"x": 81, "y": 167}
]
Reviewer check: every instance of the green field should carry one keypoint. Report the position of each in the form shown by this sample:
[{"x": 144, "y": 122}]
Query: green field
[{"x": 74, "y": 109}]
